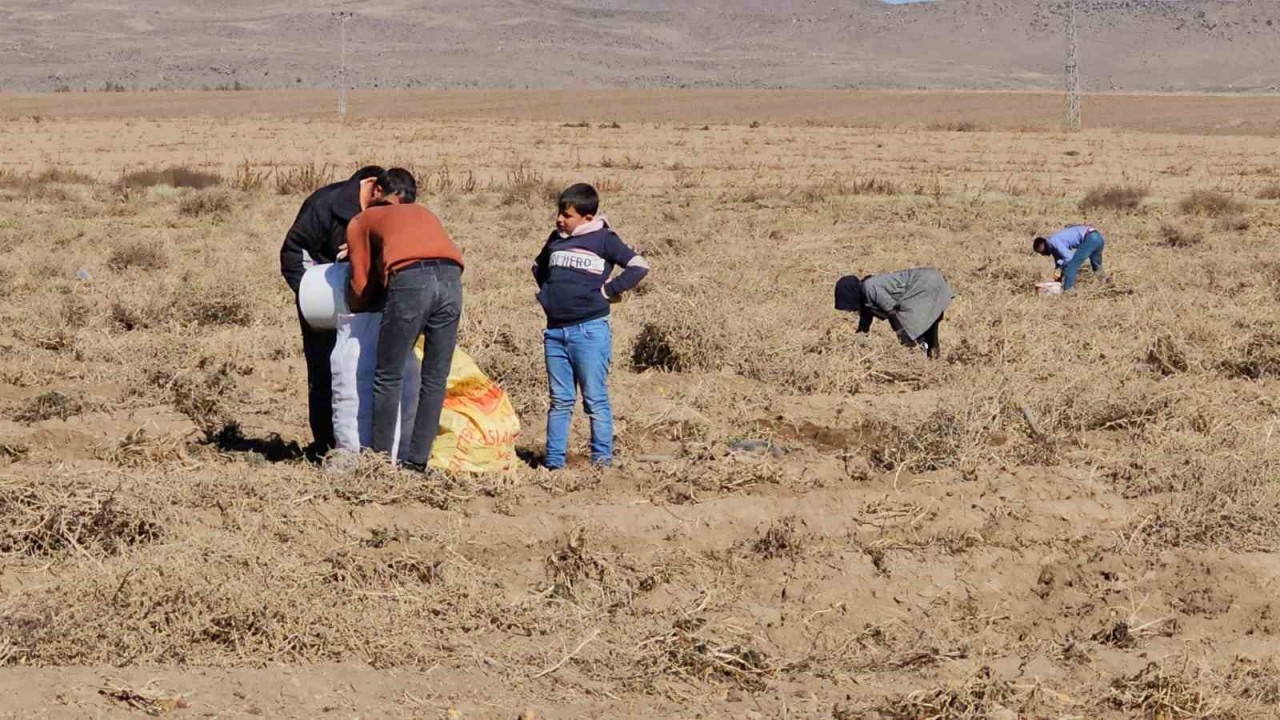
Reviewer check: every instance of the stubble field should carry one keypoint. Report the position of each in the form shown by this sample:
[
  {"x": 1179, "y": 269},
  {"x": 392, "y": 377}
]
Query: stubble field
[{"x": 1073, "y": 514}]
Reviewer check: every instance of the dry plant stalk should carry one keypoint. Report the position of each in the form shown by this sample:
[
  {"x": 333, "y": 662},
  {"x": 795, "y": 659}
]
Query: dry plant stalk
[{"x": 146, "y": 700}]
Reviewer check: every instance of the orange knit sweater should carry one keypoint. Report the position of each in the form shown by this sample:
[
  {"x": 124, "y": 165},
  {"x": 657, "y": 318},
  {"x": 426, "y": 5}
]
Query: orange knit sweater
[{"x": 384, "y": 238}]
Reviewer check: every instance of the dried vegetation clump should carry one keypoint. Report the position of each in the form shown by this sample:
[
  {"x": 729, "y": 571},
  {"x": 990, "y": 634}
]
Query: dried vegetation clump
[
  {"x": 12, "y": 178},
  {"x": 296, "y": 180},
  {"x": 699, "y": 652},
  {"x": 955, "y": 126},
  {"x": 218, "y": 304},
  {"x": 1211, "y": 203},
  {"x": 580, "y": 575},
  {"x": 1180, "y": 236},
  {"x": 49, "y": 520},
  {"x": 524, "y": 184},
  {"x": 178, "y": 176},
  {"x": 141, "y": 254},
  {"x": 206, "y": 204},
  {"x": 143, "y": 448},
  {"x": 1177, "y": 690},
  {"x": 63, "y": 176},
  {"x": 983, "y": 696},
  {"x": 1125, "y": 198},
  {"x": 785, "y": 538},
  {"x": 674, "y": 347},
  {"x": 52, "y": 405},
  {"x": 367, "y": 478}
]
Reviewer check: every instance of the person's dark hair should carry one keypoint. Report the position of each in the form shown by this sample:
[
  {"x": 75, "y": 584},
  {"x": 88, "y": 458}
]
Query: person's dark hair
[
  {"x": 581, "y": 197},
  {"x": 1039, "y": 245},
  {"x": 400, "y": 182},
  {"x": 849, "y": 294},
  {"x": 368, "y": 171}
]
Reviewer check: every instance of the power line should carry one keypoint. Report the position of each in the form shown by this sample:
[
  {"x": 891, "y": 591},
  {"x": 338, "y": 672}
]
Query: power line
[
  {"x": 343, "y": 17},
  {"x": 1073, "y": 70}
]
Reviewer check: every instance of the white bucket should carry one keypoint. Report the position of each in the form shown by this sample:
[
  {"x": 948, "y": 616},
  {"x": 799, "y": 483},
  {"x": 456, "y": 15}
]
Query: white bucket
[
  {"x": 1052, "y": 287},
  {"x": 323, "y": 294}
]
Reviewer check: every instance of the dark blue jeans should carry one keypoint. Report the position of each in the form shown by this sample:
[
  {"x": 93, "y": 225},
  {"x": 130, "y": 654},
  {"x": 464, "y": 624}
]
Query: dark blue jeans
[
  {"x": 1090, "y": 249},
  {"x": 423, "y": 301}
]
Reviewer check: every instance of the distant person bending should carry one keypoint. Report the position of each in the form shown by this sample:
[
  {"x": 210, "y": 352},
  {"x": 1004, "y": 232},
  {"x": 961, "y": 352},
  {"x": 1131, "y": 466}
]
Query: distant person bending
[
  {"x": 318, "y": 235},
  {"x": 1070, "y": 247},
  {"x": 913, "y": 301},
  {"x": 402, "y": 256},
  {"x": 575, "y": 291}
]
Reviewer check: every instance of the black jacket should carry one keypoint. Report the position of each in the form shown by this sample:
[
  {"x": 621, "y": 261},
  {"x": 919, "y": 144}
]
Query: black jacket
[{"x": 320, "y": 229}]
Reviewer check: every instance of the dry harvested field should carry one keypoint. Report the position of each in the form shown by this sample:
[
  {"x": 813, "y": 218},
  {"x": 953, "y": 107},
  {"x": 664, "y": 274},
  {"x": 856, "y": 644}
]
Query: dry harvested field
[
  {"x": 1073, "y": 515},
  {"x": 1226, "y": 114}
]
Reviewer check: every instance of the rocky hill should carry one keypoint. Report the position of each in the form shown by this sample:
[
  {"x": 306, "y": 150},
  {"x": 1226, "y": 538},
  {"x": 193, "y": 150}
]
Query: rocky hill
[{"x": 1157, "y": 45}]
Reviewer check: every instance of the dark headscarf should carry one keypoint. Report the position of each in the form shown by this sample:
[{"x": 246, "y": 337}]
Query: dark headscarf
[{"x": 849, "y": 293}]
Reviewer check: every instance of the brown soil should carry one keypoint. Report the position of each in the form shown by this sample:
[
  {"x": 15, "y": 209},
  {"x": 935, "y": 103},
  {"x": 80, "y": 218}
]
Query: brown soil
[{"x": 1073, "y": 514}]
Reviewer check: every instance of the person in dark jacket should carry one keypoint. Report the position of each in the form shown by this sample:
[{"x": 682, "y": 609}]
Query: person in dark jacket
[
  {"x": 319, "y": 235},
  {"x": 913, "y": 301}
]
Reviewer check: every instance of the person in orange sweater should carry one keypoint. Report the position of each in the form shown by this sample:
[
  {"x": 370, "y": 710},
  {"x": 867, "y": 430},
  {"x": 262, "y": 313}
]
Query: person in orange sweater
[{"x": 402, "y": 259}]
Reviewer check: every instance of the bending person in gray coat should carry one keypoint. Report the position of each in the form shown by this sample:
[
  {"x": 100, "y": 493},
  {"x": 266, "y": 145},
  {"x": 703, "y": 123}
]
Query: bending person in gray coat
[{"x": 913, "y": 301}]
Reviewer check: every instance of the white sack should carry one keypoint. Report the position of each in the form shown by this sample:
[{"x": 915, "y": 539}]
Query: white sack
[
  {"x": 322, "y": 296},
  {"x": 354, "y": 358}
]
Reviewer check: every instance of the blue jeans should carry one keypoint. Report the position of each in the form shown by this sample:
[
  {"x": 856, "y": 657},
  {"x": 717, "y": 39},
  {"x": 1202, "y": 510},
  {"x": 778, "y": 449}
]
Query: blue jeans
[
  {"x": 578, "y": 356},
  {"x": 1090, "y": 249}
]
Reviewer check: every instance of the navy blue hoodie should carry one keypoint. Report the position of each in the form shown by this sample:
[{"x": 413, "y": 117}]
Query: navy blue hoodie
[{"x": 571, "y": 272}]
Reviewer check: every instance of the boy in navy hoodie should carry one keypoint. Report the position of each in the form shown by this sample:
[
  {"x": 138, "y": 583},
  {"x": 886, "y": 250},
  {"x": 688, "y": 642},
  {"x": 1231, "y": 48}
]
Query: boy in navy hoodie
[{"x": 575, "y": 291}]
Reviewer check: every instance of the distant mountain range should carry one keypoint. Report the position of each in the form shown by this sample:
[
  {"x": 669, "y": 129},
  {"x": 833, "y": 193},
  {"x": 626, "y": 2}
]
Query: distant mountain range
[{"x": 1134, "y": 45}]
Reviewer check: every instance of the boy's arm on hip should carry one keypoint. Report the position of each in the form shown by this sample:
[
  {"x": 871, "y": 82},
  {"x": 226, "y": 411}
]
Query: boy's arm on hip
[{"x": 635, "y": 271}]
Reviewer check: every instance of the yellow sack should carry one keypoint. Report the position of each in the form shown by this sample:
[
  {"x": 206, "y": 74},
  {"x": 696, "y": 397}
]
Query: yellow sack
[{"x": 478, "y": 426}]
